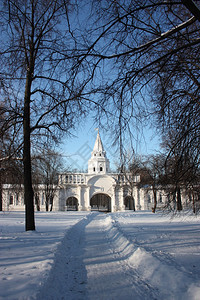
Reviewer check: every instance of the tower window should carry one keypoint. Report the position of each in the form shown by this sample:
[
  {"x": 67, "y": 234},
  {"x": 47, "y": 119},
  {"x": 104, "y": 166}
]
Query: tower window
[
  {"x": 101, "y": 169},
  {"x": 94, "y": 169}
]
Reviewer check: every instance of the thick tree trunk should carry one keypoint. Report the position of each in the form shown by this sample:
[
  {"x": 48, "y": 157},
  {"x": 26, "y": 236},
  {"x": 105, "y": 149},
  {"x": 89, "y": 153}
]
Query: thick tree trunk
[{"x": 28, "y": 190}]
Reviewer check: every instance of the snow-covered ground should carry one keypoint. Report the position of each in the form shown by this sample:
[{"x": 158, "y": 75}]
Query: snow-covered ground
[{"x": 80, "y": 255}]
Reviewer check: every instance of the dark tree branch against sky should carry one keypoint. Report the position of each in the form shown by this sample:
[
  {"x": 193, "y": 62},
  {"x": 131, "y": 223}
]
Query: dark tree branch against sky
[
  {"x": 138, "y": 44},
  {"x": 126, "y": 60}
]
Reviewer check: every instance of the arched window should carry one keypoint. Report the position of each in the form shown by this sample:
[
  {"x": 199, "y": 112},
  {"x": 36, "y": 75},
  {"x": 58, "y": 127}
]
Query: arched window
[
  {"x": 72, "y": 203},
  {"x": 101, "y": 169},
  {"x": 100, "y": 202}
]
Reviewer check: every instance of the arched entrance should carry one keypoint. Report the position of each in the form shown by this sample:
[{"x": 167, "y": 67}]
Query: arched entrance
[
  {"x": 100, "y": 202},
  {"x": 72, "y": 203},
  {"x": 129, "y": 203}
]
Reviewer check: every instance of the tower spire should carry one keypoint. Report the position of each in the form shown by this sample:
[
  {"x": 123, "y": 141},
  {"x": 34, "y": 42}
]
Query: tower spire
[
  {"x": 98, "y": 146},
  {"x": 98, "y": 163}
]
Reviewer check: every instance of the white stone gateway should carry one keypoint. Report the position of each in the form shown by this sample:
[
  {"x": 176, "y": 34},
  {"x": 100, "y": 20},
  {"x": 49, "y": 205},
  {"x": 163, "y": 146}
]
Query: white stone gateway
[{"x": 99, "y": 189}]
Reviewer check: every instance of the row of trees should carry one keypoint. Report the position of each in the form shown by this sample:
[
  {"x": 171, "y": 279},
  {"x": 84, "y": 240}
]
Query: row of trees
[
  {"x": 173, "y": 177},
  {"x": 126, "y": 60}
]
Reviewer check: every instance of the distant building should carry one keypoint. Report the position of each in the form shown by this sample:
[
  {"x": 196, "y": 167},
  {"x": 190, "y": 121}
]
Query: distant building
[{"x": 99, "y": 189}]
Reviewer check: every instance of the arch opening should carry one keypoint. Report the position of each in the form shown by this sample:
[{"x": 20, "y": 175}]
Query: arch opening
[
  {"x": 100, "y": 202},
  {"x": 72, "y": 204}
]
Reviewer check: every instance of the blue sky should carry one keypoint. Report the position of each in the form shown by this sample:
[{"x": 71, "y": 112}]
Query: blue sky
[{"x": 77, "y": 150}]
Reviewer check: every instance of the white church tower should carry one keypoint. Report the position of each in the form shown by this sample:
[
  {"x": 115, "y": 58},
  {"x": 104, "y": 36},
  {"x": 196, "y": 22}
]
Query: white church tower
[{"x": 98, "y": 163}]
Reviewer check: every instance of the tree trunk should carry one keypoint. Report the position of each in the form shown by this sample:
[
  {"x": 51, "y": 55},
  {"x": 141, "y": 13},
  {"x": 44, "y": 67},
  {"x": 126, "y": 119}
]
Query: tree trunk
[
  {"x": 179, "y": 204},
  {"x": 193, "y": 203},
  {"x": 37, "y": 202},
  {"x": 155, "y": 201},
  {"x": 132, "y": 203},
  {"x": 28, "y": 190},
  {"x": 51, "y": 202},
  {"x": 174, "y": 199},
  {"x": 47, "y": 202}
]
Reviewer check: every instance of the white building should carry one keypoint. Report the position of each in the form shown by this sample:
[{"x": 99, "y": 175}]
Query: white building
[{"x": 99, "y": 189}]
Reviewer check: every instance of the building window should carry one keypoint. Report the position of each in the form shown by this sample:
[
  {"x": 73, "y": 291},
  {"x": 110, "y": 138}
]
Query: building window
[
  {"x": 101, "y": 169},
  {"x": 94, "y": 169}
]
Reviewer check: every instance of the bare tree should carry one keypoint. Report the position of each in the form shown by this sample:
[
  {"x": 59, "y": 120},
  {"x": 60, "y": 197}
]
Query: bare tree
[
  {"x": 151, "y": 171},
  {"x": 138, "y": 44},
  {"x": 181, "y": 171},
  {"x": 46, "y": 166},
  {"x": 154, "y": 166},
  {"x": 150, "y": 54},
  {"x": 40, "y": 79}
]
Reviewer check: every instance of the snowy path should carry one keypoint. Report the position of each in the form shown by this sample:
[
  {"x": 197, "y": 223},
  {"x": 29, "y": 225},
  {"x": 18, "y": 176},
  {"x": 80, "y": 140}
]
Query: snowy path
[
  {"x": 94, "y": 266},
  {"x": 108, "y": 274}
]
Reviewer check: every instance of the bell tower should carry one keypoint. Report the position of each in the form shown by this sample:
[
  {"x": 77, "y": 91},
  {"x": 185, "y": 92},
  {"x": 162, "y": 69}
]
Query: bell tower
[{"x": 98, "y": 163}]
